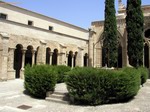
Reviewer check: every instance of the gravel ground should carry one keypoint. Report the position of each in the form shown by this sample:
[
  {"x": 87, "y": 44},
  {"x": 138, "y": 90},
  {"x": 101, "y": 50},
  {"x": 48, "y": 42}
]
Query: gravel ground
[{"x": 12, "y": 96}]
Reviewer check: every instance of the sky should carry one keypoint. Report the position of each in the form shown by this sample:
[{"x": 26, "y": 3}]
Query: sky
[{"x": 77, "y": 12}]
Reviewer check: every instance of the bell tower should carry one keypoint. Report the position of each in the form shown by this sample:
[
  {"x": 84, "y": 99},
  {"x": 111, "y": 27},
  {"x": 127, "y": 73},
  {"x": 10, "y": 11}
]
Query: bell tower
[
  {"x": 120, "y": 5},
  {"x": 121, "y": 8}
]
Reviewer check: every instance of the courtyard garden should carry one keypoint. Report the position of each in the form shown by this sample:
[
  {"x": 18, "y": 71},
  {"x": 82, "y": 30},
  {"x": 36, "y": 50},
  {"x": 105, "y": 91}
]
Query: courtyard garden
[{"x": 86, "y": 85}]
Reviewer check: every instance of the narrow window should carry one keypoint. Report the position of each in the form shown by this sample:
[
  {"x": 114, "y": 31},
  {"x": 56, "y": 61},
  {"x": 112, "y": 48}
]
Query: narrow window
[
  {"x": 30, "y": 23},
  {"x": 50, "y": 28},
  {"x": 3, "y": 16}
]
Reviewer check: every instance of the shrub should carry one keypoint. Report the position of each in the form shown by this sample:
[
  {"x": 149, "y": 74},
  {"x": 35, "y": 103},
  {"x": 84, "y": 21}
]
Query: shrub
[
  {"x": 93, "y": 86},
  {"x": 144, "y": 74},
  {"x": 39, "y": 79},
  {"x": 61, "y": 72}
]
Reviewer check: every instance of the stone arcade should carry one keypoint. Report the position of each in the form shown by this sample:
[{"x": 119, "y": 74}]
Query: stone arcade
[{"x": 27, "y": 37}]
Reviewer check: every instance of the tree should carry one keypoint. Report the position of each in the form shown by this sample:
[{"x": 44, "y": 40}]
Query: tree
[
  {"x": 134, "y": 26},
  {"x": 110, "y": 44}
]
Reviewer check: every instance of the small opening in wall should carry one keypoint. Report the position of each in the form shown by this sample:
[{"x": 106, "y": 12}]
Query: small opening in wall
[
  {"x": 3, "y": 16},
  {"x": 50, "y": 28},
  {"x": 30, "y": 23}
]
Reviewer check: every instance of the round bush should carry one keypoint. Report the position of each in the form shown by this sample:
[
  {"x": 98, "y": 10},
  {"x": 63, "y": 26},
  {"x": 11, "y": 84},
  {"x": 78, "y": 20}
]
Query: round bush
[
  {"x": 39, "y": 79},
  {"x": 95, "y": 86}
]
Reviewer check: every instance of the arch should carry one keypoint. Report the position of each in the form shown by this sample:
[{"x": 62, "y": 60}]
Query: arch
[
  {"x": 28, "y": 56},
  {"x": 18, "y": 60},
  {"x": 147, "y": 33},
  {"x": 54, "y": 57},
  {"x": 70, "y": 55},
  {"x": 146, "y": 55},
  {"x": 48, "y": 51},
  {"x": 85, "y": 60}
]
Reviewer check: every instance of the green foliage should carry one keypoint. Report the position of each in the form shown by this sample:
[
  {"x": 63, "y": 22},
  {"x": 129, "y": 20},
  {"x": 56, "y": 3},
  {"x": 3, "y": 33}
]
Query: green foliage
[
  {"x": 96, "y": 86},
  {"x": 61, "y": 70},
  {"x": 144, "y": 74},
  {"x": 39, "y": 79},
  {"x": 110, "y": 34},
  {"x": 134, "y": 25}
]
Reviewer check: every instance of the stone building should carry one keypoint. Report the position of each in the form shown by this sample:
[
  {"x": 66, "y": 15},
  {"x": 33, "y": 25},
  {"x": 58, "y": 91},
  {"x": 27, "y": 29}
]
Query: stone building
[
  {"x": 27, "y": 37},
  {"x": 96, "y": 39}
]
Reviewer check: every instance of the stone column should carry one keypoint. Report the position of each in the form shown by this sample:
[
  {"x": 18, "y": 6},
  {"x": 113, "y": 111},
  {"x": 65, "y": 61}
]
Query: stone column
[
  {"x": 11, "y": 71},
  {"x": 41, "y": 57},
  {"x": 50, "y": 58},
  {"x": 149, "y": 54},
  {"x": 72, "y": 59},
  {"x": 66, "y": 59},
  {"x": 33, "y": 57},
  {"x": 23, "y": 64},
  {"x": 80, "y": 57},
  {"x": 58, "y": 58},
  {"x": 4, "y": 56}
]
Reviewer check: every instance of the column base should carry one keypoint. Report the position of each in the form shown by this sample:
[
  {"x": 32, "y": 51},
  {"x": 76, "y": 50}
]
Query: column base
[
  {"x": 11, "y": 74},
  {"x": 22, "y": 73}
]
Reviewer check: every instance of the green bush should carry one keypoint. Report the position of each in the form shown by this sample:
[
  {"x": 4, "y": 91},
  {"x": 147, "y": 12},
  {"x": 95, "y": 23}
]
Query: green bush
[
  {"x": 144, "y": 74},
  {"x": 39, "y": 79},
  {"x": 96, "y": 86},
  {"x": 61, "y": 72}
]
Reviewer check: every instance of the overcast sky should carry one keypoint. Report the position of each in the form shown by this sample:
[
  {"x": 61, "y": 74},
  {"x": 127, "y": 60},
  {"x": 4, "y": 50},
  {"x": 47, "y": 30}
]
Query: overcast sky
[{"x": 77, "y": 12}]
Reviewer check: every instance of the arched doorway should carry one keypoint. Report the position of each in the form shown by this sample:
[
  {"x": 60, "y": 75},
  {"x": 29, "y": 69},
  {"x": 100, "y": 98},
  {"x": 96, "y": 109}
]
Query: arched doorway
[
  {"x": 28, "y": 56},
  {"x": 70, "y": 58},
  {"x": 48, "y": 50},
  {"x": 85, "y": 60},
  {"x": 18, "y": 59},
  {"x": 146, "y": 55},
  {"x": 54, "y": 57}
]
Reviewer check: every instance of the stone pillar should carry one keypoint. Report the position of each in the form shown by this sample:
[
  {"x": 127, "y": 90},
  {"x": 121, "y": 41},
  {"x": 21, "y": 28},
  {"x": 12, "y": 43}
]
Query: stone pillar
[
  {"x": 72, "y": 59},
  {"x": 41, "y": 57},
  {"x": 58, "y": 58},
  {"x": 11, "y": 71},
  {"x": 91, "y": 46},
  {"x": 125, "y": 61},
  {"x": 80, "y": 57},
  {"x": 66, "y": 59},
  {"x": 23, "y": 64},
  {"x": 4, "y": 56},
  {"x": 50, "y": 58},
  {"x": 149, "y": 55},
  {"x": 33, "y": 57}
]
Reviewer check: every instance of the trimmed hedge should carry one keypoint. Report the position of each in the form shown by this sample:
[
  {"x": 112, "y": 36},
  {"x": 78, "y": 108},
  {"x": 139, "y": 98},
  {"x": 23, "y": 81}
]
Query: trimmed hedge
[
  {"x": 39, "y": 79},
  {"x": 144, "y": 74},
  {"x": 90, "y": 86},
  {"x": 61, "y": 72}
]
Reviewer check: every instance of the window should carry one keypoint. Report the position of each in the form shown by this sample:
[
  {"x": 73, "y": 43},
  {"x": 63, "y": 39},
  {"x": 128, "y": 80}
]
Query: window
[
  {"x": 3, "y": 16},
  {"x": 30, "y": 23},
  {"x": 50, "y": 28}
]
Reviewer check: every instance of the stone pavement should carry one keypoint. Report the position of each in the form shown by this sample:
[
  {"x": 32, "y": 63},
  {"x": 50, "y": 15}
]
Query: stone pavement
[{"x": 12, "y": 98}]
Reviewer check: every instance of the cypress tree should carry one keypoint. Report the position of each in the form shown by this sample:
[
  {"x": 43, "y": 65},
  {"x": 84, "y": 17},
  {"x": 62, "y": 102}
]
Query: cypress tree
[
  {"x": 134, "y": 26},
  {"x": 110, "y": 46}
]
